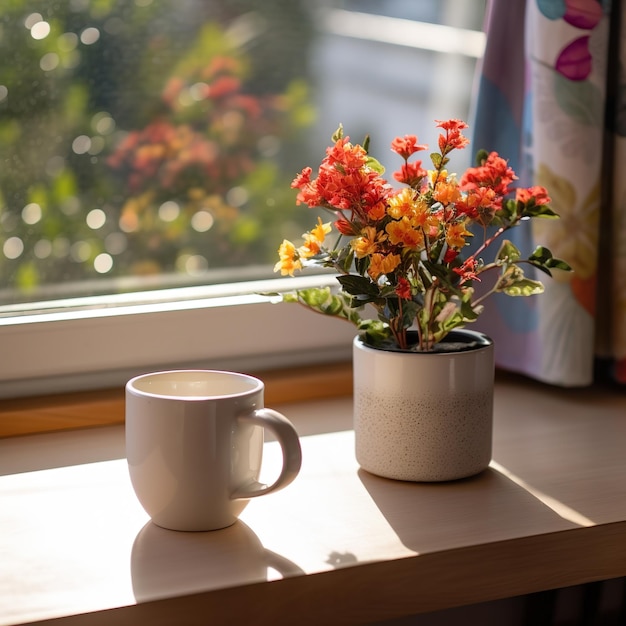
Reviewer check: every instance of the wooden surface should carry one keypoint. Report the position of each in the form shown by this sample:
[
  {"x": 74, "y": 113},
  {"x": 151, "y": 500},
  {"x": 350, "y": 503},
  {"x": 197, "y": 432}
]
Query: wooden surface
[
  {"x": 23, "y": 416},
  {"x": 338, "y": 545}
]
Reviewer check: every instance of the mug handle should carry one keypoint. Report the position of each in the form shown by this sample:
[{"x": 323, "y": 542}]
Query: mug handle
[{"x": 287, "y": 437}]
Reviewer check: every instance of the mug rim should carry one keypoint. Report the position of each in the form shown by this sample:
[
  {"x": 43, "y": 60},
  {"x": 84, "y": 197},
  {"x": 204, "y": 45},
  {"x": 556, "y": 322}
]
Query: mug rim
[{"x": 257, "y": 384}]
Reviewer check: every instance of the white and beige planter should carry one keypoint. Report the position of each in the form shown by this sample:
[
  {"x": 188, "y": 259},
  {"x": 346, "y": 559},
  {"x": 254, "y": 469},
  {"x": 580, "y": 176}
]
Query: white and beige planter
[{"x": 425, "y": 416}]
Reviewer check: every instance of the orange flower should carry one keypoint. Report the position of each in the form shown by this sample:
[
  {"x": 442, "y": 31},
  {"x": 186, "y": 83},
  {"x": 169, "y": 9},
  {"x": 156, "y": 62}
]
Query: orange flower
[
  {"x": 456, "y": 234},
  {"x": 382, "y": 264},
  {"x": 368, "y": 243},
  {"x": 447, "y": 192},
  {"x": 402, "y": 233}
]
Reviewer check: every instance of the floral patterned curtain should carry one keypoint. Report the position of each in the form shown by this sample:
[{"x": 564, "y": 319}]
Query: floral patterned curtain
[{"x": 552, "y": 99}]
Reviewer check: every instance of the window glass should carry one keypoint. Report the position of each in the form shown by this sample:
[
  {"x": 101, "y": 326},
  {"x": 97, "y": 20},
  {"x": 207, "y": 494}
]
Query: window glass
[{"x": 151, "y": 143}]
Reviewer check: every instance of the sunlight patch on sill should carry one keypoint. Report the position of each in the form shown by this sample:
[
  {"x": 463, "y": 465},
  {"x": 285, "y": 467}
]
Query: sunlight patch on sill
[{"x": 557, "y": 506}]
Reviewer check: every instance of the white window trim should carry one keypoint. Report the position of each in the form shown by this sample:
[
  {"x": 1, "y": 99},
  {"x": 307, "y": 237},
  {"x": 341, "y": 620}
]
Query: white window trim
[{"x": 228, "y": 327}]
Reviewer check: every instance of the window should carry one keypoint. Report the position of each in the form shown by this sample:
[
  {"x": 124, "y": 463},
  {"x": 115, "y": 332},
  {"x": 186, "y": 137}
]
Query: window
[{"x": 146, "y": 151}]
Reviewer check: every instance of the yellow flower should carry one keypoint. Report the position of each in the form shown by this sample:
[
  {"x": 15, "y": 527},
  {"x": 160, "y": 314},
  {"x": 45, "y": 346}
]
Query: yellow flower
[
  {"x": 456, "y": 234},
  {"x": 321, "y": 230},
  {"x": 367, "y": 244},
  {"x": 289, "y": 259},
  {"x": 314, "y": 239},
  {"x": 382, "y": 264},
  {"x": 402, "y": 204},
  {"x": 403, "y": 233},
  {"x": 434, "y": 175}
]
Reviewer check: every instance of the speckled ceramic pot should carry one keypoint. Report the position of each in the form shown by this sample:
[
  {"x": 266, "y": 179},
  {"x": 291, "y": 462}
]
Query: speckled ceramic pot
[{"x": 425, "y": 416}]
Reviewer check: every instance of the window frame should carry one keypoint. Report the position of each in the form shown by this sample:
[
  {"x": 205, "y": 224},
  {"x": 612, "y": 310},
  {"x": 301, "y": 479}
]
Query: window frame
[{"x": 93, "y": 347}]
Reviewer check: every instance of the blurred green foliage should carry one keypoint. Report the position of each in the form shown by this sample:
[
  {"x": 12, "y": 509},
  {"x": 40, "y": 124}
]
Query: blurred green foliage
[{"x": 147, "y": 137}]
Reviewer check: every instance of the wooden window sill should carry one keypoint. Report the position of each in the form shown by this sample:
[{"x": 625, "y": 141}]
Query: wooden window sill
[{"x": 87, "y": 409}]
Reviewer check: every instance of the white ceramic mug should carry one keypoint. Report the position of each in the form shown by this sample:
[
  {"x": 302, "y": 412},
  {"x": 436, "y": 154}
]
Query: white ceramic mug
[{"x": 194, "y": 444}]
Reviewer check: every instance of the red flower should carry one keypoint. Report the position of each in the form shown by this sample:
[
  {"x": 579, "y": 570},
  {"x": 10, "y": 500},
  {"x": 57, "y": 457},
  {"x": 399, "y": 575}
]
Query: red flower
[
  {"x": 406, "y": 146},
  {"x": 467, "y": 271},
  {"x": 494, "y": 172},
  {"x": 453, "y": 139},
  {"x": 538, "y": 194},
  {"x": 411, "y": 174},
  {"x": 453, "y": 125},
  {"x": 476, "y": 201},
  {"x": 302, "y": 179},
  {"x": 345, "y": 227},
  {"x": 450, "y": 255},
  {"x": 403, "y": 289}
]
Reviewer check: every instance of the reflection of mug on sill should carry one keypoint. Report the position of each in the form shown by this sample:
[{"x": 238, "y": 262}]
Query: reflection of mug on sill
[{"x": 167, "y": 563}]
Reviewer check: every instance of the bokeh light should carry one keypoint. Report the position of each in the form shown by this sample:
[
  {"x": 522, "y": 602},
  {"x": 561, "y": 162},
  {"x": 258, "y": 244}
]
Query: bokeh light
[
  {"x": 103, "y": 263},
  {"x": 202, "y": 221},
  {"x": 169, "y": 211},
  {"x": 31, "y": 213},
  {"x": 96, "y": 219},
  {"x": 13, "y": 248},
  {"x": 81, "y": 144},
  {"x": 67, "y": 42},
  {"x": 49, "y": 62},
  {"x": 40, "y": 30},
  {"x": 32, "y": 19},
  {"x": 237, "y": 196},
  {"x": 42, "y": 248},
  {"x": 89, "y": 36}
]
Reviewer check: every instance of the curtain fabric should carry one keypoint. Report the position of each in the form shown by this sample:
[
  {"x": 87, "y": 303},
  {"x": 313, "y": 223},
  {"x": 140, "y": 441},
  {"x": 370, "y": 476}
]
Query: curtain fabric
[{"x": 551, "y": 98}]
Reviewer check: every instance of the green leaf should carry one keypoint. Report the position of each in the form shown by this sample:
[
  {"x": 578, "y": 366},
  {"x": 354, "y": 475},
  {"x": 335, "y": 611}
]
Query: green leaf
[
  {"x": 481, "y": 156},
  {"x": 338, "y": 134},
  {"x": 315, "y": 297},
  {"x": 538, "y": 210},
  {"x": 358, "y": 285},
  {"x": 375, "y": 164},
  {"x": 523, "y": 287},
  {"x": 509, "y": 209},
  {"x": 374, "y": 332},
  {"x": 514, "y": 283},
  {"x": 361, "y": 265},
  {"x": 366, "y": 143},
  {"x": 436, "y": 158},
  {"x": 542, "y": 259},
  {"x": 508, "y": 252}
]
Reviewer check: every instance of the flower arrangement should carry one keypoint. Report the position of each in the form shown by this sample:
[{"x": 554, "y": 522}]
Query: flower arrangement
[{"x": 401, "y": 250}]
